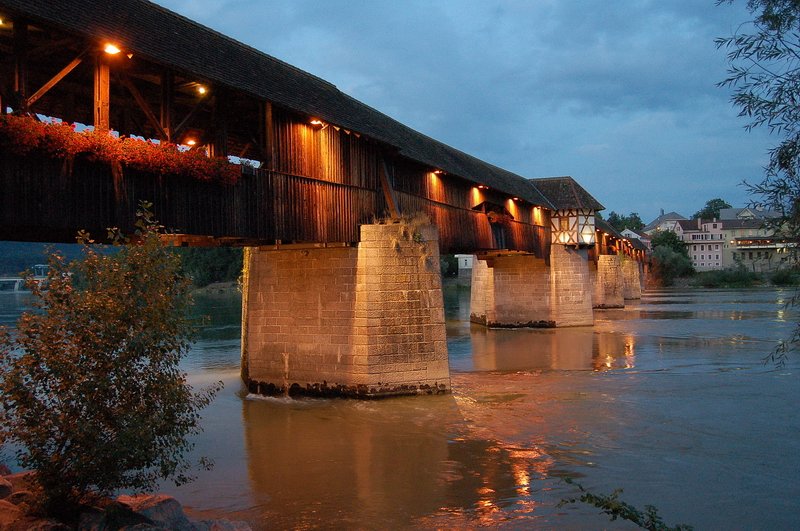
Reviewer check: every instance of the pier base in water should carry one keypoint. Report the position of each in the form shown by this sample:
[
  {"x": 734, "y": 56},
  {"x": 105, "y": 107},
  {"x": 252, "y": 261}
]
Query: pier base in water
[
  {"x": 522, "y": 291},
  {"x": 365, "y": 321}
]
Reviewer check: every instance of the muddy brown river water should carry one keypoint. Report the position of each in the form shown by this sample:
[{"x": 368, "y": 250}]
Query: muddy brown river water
[{"x": 667, "y": 399}]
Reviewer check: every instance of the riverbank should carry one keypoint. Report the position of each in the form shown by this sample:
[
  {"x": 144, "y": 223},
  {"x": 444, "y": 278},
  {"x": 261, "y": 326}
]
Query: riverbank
[
  {"x": 218, "y": 289},
  {"x": 19, "y": 497}
]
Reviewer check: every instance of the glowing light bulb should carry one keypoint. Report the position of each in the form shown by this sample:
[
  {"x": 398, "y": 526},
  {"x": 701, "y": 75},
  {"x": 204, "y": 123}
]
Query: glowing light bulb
[{"x": 111, "y": 49}]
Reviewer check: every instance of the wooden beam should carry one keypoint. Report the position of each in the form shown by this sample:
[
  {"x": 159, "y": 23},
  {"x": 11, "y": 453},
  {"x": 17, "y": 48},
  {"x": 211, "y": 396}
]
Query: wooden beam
[
  {"x": 54, "y": 80},
  {"x": 185, "y": 121},
  {"x": 21, "y": 63},
  {"x": 102, "y": 95},
  {"x": 219, "y": 121},
  {"x": 267, "y": 133},
  {"x": 388, "y": 192},
  {"x": 167, "y": 95},
  {"x": 143, "y": 105}
]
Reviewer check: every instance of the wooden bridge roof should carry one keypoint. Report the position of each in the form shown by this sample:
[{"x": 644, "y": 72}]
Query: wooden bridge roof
[
  {"x": 565, "y": 193},
  {"x": 166, "y": 38},
  {"x": 606, "y": 227}
]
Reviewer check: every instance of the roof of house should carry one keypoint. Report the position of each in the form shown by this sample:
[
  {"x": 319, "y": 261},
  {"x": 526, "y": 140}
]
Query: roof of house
[
  {"x": 742, "y": 223},
  {"x": 688, "y": 224},
  {"x": 735, "y": 213},
  {"x": 166, "y": 38},
  {"x": 636, "y": 234},
  {"x": 565, "y": 193},
  {"x": 669, "y": 216}
]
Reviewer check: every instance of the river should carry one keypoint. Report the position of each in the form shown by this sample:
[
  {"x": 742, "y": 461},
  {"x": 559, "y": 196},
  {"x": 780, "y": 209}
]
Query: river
[{"x": 668, "y": 399}]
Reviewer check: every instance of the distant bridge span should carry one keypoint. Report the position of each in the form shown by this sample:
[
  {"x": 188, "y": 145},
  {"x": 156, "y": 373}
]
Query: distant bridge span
[{"x": 329, "y": 169}]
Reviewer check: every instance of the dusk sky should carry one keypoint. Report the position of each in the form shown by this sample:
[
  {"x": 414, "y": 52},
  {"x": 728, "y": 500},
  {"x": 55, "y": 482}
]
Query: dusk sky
[{"x": 620, "y": 95}]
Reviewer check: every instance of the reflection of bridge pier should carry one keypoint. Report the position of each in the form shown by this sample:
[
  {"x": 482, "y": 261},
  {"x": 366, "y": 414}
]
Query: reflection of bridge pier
[{"x": 579, "y": 348}]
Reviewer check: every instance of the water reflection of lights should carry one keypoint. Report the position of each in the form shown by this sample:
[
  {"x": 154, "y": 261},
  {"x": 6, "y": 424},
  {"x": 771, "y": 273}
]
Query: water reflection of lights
[{"x": 630, "y": 353}]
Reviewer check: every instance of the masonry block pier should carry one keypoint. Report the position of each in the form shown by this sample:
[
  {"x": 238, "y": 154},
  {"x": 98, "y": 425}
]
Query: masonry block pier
[
  {"x": 632, "y": 277},
  {"x": 365, "y": 321},
  {"x": 522, "y": 291},
  {"x": 609, "y": 284}
]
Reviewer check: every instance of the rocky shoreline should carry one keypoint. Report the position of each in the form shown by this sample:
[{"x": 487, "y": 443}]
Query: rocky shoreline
[{"x": 140, "y": 512}]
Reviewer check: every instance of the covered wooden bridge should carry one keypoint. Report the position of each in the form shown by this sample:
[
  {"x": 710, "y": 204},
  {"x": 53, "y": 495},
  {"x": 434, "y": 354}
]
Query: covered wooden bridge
[{"x": 343, "y": 209}]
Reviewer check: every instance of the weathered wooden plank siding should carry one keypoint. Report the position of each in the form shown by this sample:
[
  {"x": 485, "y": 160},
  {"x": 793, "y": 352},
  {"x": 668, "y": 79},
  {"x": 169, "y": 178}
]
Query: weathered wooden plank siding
[{"x": 327, "y": 154}]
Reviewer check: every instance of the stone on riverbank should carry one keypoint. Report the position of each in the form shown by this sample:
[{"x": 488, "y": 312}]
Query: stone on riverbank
[{"x": 140, "y": 512}]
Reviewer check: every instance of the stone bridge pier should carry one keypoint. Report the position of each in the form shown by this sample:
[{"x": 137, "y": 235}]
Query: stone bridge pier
[
  {"x": 522, "y": 291},
  {"x": 609, "y": 282},
  {"x": 632, "y": 277},
  {"x": 363, "y": 321}
]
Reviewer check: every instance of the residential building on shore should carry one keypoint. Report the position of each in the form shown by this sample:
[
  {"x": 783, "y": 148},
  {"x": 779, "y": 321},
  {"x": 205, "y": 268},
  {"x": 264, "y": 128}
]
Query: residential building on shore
[{"x": 741, "y": 237}]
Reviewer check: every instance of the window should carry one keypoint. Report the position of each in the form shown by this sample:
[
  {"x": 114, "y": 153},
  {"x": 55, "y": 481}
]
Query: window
[
  {"x": 716, "y": 258},
  {"x": 750, "y": 255},
  {"x": 716, "y": 247},
  {"x": 702, "y": 247}
]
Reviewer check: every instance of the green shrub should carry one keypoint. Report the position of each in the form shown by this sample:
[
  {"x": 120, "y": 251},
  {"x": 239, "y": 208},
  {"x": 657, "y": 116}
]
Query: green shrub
[
  {"x": 785, "y": 277},
  {"x": 90, "y": 387},
  {"x": 738, "y": 277},
  {"x": 669, "y": 264}
]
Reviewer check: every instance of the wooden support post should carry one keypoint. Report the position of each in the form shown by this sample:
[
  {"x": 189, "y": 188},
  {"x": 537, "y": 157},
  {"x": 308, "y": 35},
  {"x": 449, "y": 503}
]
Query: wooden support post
[
  {"x": 388, "y": 192},
  {"x": 21, "y": 64},
  {"x": 102, "y": 95},
  {"x": 167, "y": 92},
  {"x": 267, "y": 134},
  {"x": 219, "y": 119}
]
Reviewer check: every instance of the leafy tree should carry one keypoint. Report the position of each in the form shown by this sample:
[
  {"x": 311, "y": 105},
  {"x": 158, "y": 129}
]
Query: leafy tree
[
  {"x": 622, "y": 222},
  {"x": 667, "y": 238},
  {"x": 764, "y": 73},
  {"x": 711, "y": 210},
  {"x": 670, "y": 258},
  {"x": 668, "y": 264},
  {"x": 764, "y": 59},
  {"x": 89, "y": 383},
  {"x": 207, "y": 265}
]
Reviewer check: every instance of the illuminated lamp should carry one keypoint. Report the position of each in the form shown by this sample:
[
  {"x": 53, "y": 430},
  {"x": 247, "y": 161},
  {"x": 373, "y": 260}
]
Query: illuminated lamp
[
  {"x": 111, "y": 49},
  {"x": 317, "y": 122},
  {"x": 201, "y": 89},
  {"x": 438, "y": 172},
  {"x": 191, "y": 142},
  {"x": 482, "y": 187},
  {"x": 515, "y": 198}
]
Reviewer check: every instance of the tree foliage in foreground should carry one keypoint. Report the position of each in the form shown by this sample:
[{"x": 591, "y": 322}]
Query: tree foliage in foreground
[
  {"x": 90, "y": 385},
  {"x": 614, "y": 508},
  {"x": 764, "y": 73},
  {"x": 711, "y": 210}
]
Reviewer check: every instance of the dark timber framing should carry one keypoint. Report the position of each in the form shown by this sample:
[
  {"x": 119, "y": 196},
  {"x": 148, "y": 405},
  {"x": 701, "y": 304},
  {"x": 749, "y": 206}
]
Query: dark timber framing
[{"x": 174, "y": 80}]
